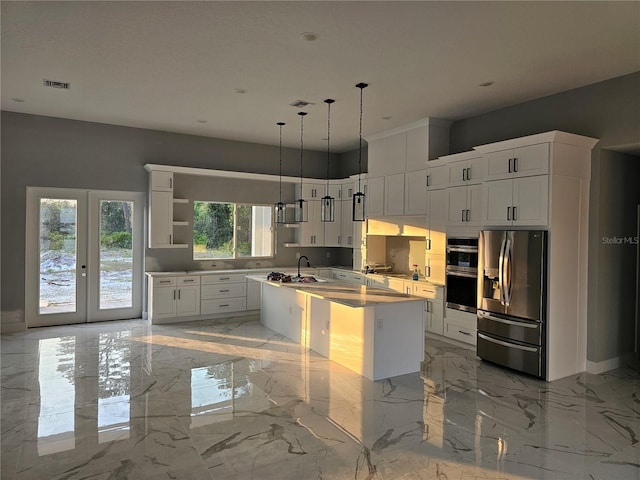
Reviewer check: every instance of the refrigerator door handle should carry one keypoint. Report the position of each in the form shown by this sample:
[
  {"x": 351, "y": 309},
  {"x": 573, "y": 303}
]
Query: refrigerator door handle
[
  {"x": 507, "y": 274},
  {"x": 507, "y": 344},
  {"x": 501, "y": 271},
  {"x": 510, "y": 322}
]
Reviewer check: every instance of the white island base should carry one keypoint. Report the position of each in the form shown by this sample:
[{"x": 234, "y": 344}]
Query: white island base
[{"x": 381, "y": 339}]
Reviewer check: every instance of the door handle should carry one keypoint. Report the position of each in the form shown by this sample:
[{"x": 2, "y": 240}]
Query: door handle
[
  {"x": 84, "y": 270},
  {"x": 508, "y": 213},
  {"x": 515, "y": 164},
  {"x": 510, "y": 165},
  {"x": 514, "y": 213},
  {"x": 428, "y": 176},
  {"x": 464, "y": 174},
  {"x": 468, "y": 215}
]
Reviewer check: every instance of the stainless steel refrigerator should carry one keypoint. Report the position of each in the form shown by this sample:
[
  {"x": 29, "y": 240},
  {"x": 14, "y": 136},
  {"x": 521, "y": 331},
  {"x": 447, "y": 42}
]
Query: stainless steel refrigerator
[{"x": 512, "y": 299}]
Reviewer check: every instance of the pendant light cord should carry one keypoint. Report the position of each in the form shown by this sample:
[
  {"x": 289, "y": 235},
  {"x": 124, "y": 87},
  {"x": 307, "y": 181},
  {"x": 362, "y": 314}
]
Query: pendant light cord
[
  {"x": 280, "y": 124},
  {"x": 302, "y": 114},
  {"x": 329, "y": 102},
  {"x": 361, "y": 86}
]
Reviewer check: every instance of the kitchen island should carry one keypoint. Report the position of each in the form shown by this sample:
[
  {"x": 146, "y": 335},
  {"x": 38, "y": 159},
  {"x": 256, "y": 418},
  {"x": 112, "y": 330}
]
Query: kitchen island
[{"x": 374, "y": 332}]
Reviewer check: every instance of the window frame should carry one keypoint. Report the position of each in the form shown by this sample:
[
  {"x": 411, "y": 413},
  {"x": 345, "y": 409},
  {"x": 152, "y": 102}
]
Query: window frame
[{"x": 235, "y": 205}]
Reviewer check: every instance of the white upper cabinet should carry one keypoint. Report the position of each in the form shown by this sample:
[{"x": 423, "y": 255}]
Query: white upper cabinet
[
  {"x": 415, "y": 193},
  {"x": 374, "y": 196},
  {"x": 394, "y": 194},
  {"x": 518, "y": 162},
  {"x": 160, "y": 181},
  {"x": 311, "y": 191},
  {"x": 408, "y": 148},
  {"x": 521, "y": 201},
  {"x": 465, "y": 205},
  {"x": 468, "y": 168},
  {"x": 437, "y": 175},
  {"x": 387, "y": 155}
]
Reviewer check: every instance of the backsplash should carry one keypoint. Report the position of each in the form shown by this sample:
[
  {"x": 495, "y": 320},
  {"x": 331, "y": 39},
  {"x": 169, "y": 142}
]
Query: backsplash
[{"x": 403, "y": 252}]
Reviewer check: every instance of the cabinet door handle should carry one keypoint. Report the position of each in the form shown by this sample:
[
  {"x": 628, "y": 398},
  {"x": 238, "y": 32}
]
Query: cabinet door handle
[
  {"x": 224, "y": 291},
  {"x": 428, "y": 244},
  {"x": 174, "y": 293},
  {"x": 467, "y": 215},
  {"x": 508, "y": 213},
  {"x": 429, "y": 309},
  {"x": 427, "y": 271},
  {"x": 464, "y": 333},
  {"x": 510, "y": 165},
  {"x": 165, "y": 281},
  {"x": 428, "y": 177},
  {"x": 224, "y": 305},
  {"x": 464, "y": 174},
  {"x": 515, "y": 164},
  {"x": 462, "y": 215},
  {"x": 178, "y": 294},
  {"x": 190, "y": 280},
  {"x": 515, "y": 213},
  {"x": 469, "y": 173},
  {"x": 170, "y": 239},
  {"x": 171, "y": 183}
]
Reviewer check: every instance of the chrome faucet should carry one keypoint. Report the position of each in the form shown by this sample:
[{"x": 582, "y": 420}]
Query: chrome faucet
[{"x": 308, "y": 264}]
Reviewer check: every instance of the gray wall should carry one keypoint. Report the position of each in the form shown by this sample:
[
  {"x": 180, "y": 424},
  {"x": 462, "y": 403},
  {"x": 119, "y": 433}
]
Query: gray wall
[
  {"x": 54, "y": 152},
  {"x": 609, "y": 111}
]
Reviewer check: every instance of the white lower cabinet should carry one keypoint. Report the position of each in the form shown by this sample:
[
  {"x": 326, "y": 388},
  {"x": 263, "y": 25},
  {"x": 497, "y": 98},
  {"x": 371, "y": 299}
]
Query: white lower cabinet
[
  {"x": 223, "y": 293},
  {"x": 433, "y": 306},
  {"x": 461, "y": 326},
  {"x": 253, "y": 295},
  {"x": 174, "y": 297}
]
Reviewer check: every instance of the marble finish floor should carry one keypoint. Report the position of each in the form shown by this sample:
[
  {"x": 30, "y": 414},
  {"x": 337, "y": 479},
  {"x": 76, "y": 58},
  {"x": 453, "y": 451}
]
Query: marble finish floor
[{"x": 233, "y": 400}]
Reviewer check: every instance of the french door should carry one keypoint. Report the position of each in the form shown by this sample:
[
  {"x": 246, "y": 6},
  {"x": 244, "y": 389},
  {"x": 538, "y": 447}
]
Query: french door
[{"x": 84, "y": 252}]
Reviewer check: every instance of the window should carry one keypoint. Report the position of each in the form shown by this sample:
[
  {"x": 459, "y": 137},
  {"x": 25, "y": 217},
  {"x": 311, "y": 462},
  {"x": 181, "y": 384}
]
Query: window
[{"x": 231, "y": 230}]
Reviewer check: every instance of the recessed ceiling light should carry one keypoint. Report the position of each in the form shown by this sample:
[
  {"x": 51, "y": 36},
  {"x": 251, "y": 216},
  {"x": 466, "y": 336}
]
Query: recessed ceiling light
[
  {"x": 485, "y": 84},
  {"x": 201, "y": 121},
  {"x": 240, "y": 91},
  {"x": 388, "y": 117},
  {"x": 19, "y": 100},
  {"x": 309, "y": 36}
]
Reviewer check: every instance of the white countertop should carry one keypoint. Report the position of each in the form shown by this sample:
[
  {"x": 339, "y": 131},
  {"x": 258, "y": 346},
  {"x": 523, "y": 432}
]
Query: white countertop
[{"x": 344, "y": 293}]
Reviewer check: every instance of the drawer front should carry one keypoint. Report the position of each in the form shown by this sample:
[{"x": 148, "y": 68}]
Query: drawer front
[
  {"x": 188, "y": 280},
  {"x": 222, "y": 305},
  {"x": 425, "y": 290},
  {"x": 164, "y": 281},
  {"x": 526, "y": 358},
  {"x": 223, "y": 290},
  {"x": 467, "y": 320},
  {"x": 461, "y": 334},
  {"x": 223, "y": 277}
]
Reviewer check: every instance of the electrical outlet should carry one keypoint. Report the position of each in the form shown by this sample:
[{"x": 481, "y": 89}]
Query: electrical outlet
[{"x": 297, "y": 255}]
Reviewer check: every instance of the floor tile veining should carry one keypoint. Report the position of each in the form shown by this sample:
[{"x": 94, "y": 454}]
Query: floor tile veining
[{"x": 233, "y": 400}]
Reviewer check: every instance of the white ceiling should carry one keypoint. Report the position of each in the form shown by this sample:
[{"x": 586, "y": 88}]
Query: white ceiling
[{"x": 166, "y": 65}]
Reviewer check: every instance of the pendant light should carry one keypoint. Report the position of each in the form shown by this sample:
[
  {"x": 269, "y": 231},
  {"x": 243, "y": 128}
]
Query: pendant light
[
  {"x": 281, "y": 208},
  {"x": 358, "y": 198},
  {"x": 301, "y": 207},
  {"x": 327, "y": 211}
]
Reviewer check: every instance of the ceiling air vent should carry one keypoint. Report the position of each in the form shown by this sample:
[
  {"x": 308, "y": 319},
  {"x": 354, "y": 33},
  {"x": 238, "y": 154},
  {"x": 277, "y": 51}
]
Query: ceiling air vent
[
  {"x": 54, "y": 84},
  {"x": 300, "y": 104}
]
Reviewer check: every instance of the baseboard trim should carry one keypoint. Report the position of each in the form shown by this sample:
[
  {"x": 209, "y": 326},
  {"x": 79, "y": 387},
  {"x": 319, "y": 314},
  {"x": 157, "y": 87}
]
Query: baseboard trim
[
  {"x": 606, "y": 365},
  {"x": 13, "y": 322}
]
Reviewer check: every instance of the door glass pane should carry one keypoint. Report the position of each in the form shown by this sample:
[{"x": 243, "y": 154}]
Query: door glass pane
[
  {"x": 116, "y": 255},
  {"x": 58, "y": 226}
]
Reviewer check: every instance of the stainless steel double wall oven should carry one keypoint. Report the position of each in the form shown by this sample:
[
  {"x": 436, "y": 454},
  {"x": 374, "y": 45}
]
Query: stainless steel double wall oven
[{"x": 462, "y": 273}]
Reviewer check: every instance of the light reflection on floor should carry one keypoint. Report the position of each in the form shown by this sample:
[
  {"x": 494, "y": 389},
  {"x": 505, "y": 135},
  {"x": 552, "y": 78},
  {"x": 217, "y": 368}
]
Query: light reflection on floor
[{"x": 232, "y": 400}]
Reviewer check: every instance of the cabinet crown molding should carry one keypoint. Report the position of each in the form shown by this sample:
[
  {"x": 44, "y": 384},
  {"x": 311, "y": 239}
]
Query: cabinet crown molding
[
  {"x": 552, "y": 136},
  {"x": 425, "y": 122}
]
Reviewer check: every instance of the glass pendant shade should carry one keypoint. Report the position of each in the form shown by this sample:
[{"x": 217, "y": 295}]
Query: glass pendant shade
[
  {"x": 301, "y": 210},
  {"x": 327, "y": 211},
  {"x": 358, "y": 207},
  {"x": 281, "y": 212}
]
